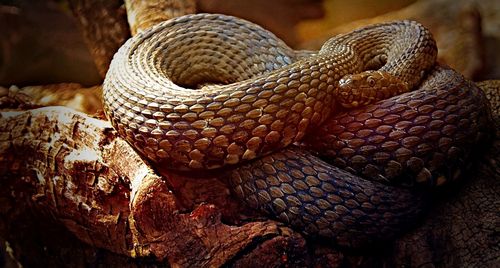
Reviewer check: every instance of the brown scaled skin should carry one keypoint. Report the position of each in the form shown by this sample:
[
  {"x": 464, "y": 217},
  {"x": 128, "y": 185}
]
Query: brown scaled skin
[
  {"x": 270, "y": 96},
  {"x": 265, "y": 96},
  {"x": 368, "y": 87},
  {"x": 426, "y": 137}
]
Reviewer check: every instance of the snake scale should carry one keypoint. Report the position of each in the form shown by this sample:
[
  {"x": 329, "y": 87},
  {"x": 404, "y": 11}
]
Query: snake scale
[{"x": 210, "y": 91}]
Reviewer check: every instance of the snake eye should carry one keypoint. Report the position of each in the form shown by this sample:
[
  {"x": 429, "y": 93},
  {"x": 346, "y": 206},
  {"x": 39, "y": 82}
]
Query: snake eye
[{"x": 370, "y": 81}]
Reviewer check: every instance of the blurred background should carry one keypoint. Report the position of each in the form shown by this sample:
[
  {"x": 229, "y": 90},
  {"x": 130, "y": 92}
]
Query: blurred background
[{"x": 41, "y": 41}]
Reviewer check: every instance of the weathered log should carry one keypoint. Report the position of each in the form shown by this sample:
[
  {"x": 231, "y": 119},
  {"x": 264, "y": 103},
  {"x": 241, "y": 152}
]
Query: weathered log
[
  {"x": 77, "y": 170},
  {"x": 104, "y": 23},
  {"x": 71, "y": 95},
  {"x": 62, "y": 170},
  {"x": 145, "y": 14},
  {"x": 104, "y": 27}
]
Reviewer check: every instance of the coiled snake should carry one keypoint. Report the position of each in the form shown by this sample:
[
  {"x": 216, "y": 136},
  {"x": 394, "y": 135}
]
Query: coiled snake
[{"x": 256, "y": 97}]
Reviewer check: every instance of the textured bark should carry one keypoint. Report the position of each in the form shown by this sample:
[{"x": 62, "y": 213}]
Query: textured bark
[
  {"x": 104, "y": 23},
  {"x": 72, "y": 95},
  {"x": 104, "y": 27},
  {"x": 71, "y": 176},
  {"x": 75, "y": 169},
  {"x": 145, "y": 14}
]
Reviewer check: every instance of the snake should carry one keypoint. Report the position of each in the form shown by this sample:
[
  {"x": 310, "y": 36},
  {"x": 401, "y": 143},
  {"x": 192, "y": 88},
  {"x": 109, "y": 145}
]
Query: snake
[{"x": 328, "y": 142}]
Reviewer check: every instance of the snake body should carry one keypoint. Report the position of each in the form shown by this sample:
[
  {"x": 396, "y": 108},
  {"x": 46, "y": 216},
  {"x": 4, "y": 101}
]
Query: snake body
[
  {"x": 255, "y": 96},
  {"x": 424, "y": 137}
]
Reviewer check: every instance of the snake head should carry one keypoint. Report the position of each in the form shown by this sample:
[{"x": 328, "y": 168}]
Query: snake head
[{"x": 364, "y": 88}]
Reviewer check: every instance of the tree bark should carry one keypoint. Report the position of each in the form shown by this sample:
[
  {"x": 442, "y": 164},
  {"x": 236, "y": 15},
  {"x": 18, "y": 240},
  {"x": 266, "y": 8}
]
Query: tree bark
[
  {"x": 62, "y": 171},
  {"x": 104, "y": 28},
  {"x": 75, "y": 169},
  {"x": 104, "y": 23},
  {"x": 145, "y": 14}
]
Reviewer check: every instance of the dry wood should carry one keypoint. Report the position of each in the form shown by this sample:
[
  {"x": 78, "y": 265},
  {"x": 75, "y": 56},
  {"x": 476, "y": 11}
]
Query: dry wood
[
  {"x": 64, "y": 171},
  {"x": 72, "y": 95},
  {"x": 104, "y": 27},
  {"x": 104, "y": 23},
  {"x": 145, "y": 14},
  {"x": 77, "y": 170}
]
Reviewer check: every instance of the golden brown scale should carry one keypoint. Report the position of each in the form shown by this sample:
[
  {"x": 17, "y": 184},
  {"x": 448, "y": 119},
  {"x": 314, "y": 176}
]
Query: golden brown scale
[
  {"x": 491, "y": 89},
  {"x": 271, "y": 95},
  {"x": 425, "y": 136},
  {"x": 368, "y": 87},
  {"x": 428, "y": 136},
  {"x": 255, "y": 96},
  {"x": 322, "y": 200}
]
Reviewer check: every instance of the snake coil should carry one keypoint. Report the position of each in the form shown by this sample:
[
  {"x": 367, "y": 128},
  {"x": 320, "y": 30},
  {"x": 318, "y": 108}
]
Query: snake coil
[{"x": 255, "y": 97}]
